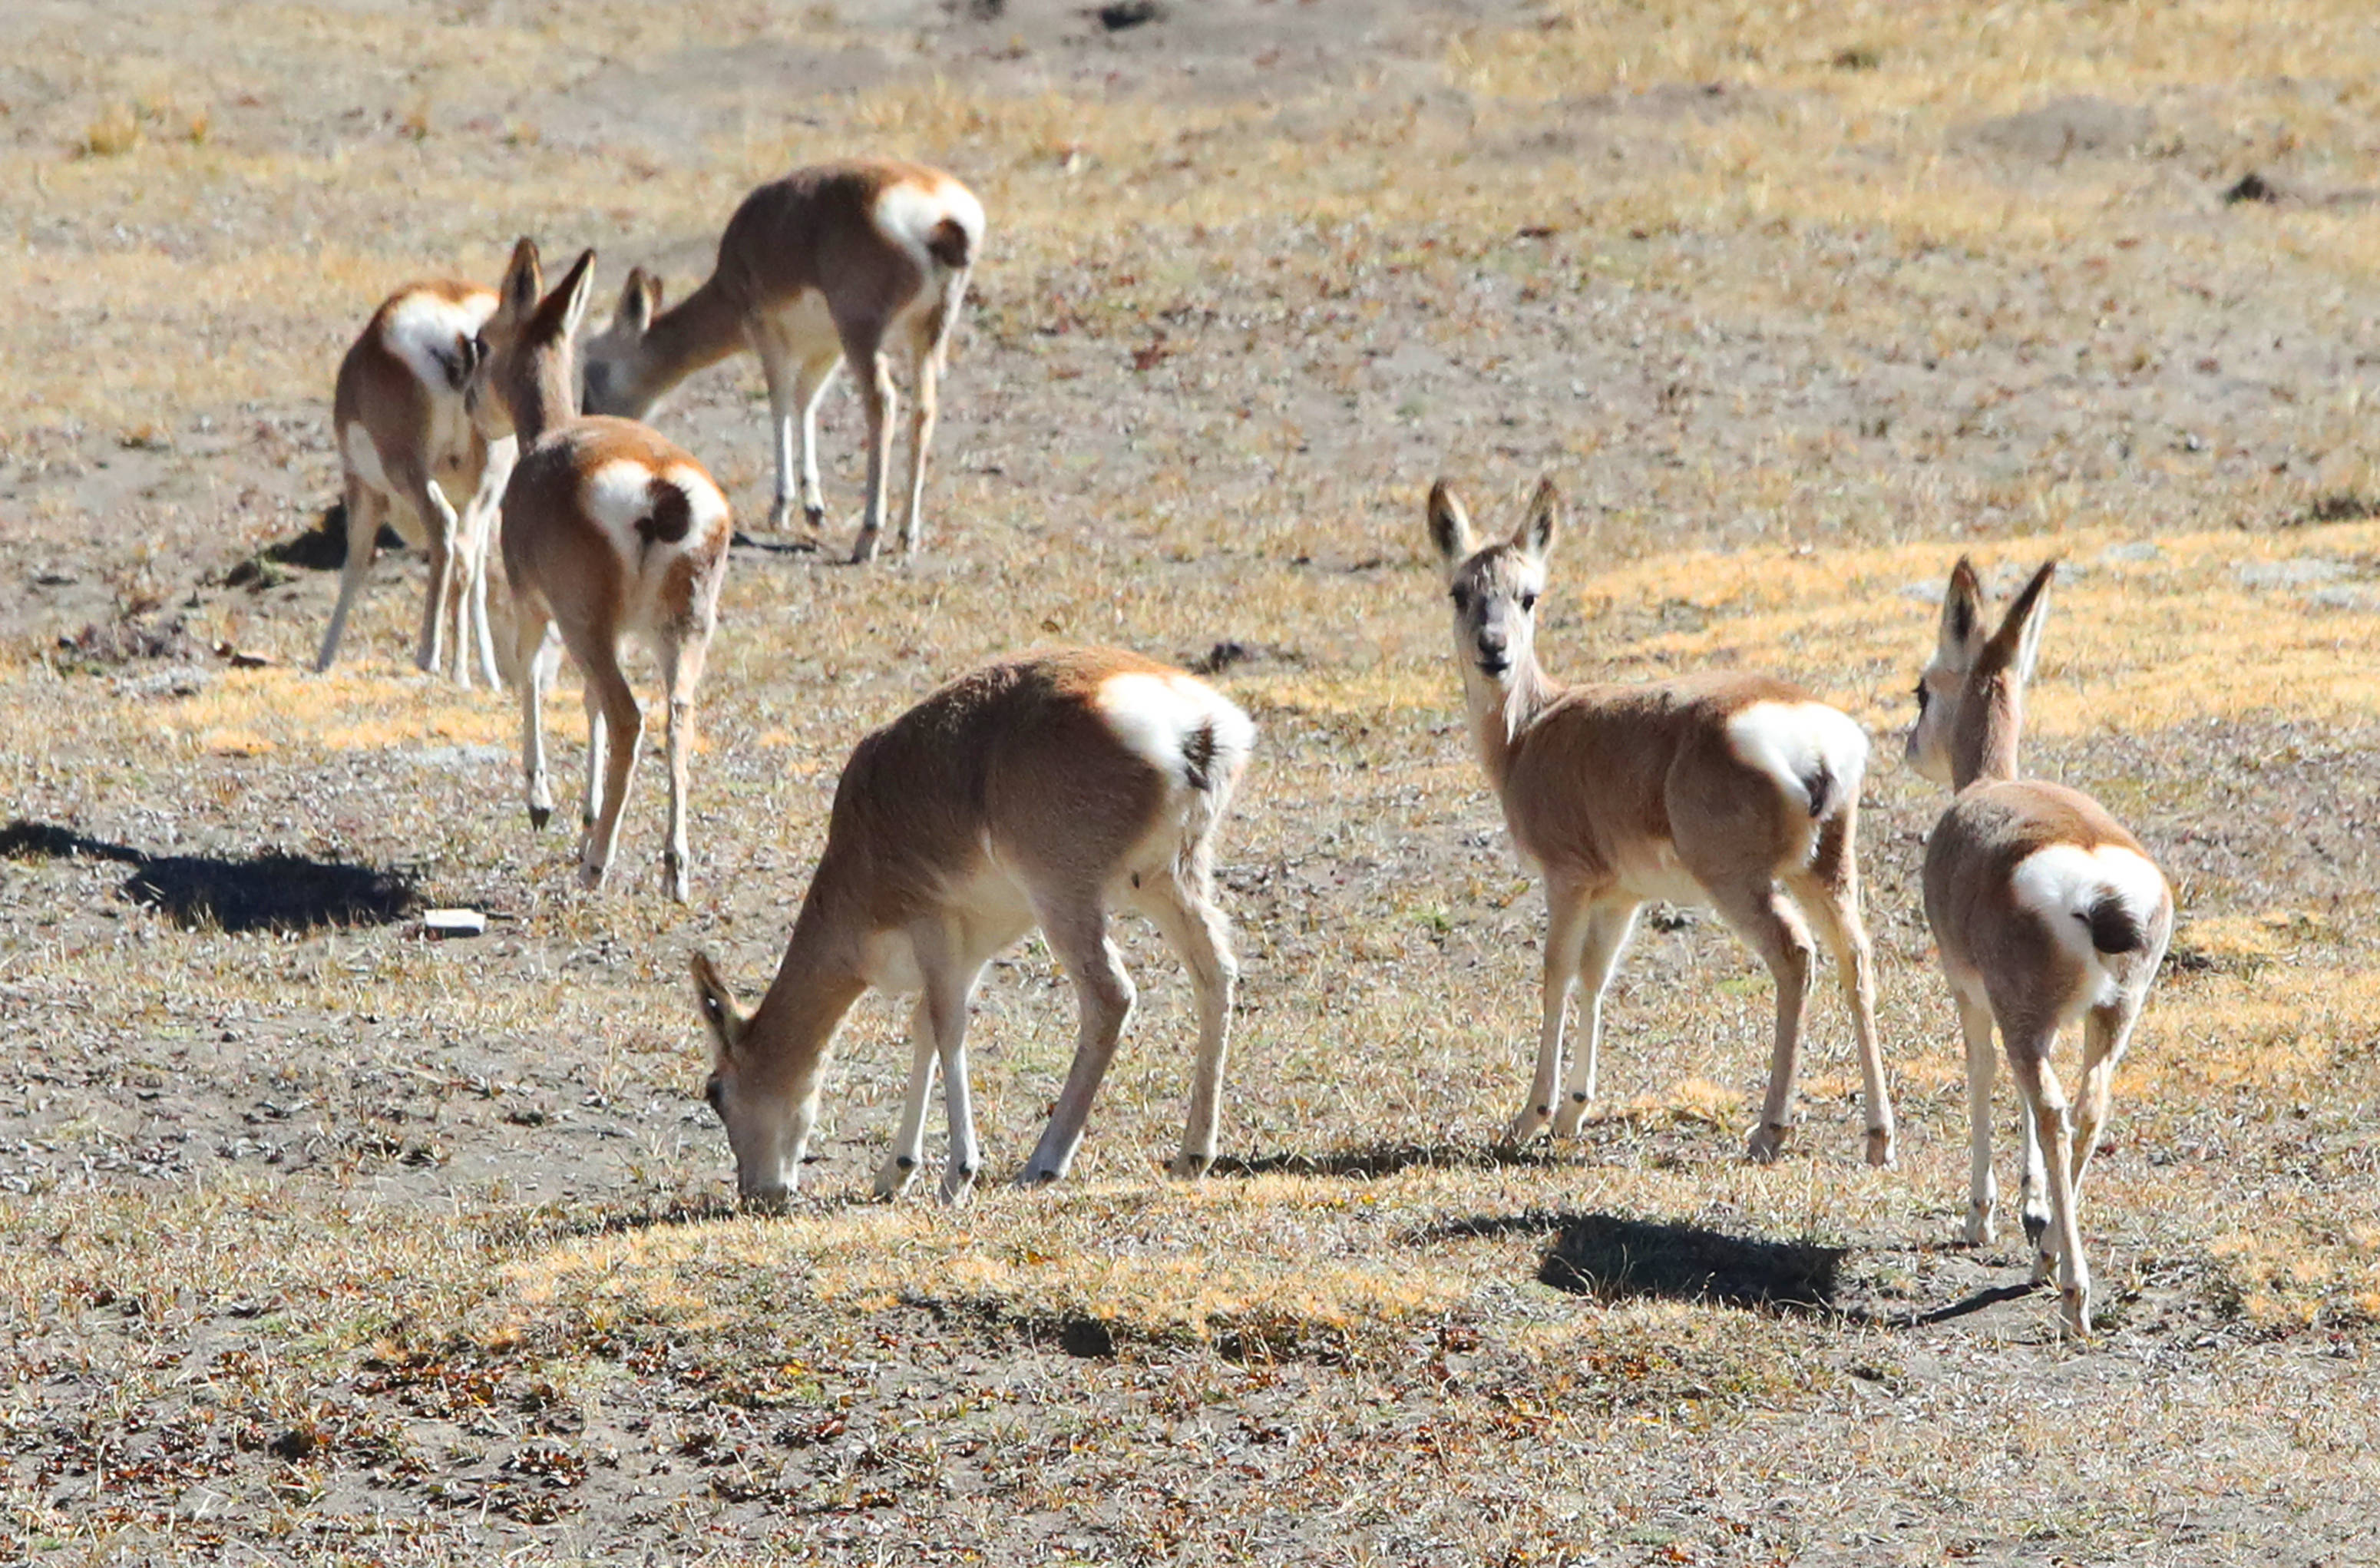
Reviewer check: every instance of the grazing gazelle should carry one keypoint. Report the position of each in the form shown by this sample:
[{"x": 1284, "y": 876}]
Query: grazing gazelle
[
  {"x": 2045, "y": 911},
  {"x": 1046, "y": 791},
  {"x": 405, "y": 440},
  {"x": 611, "y": 532},
  {"x": 1731, "y": 790},
  {"x": 841, "y": 261}
]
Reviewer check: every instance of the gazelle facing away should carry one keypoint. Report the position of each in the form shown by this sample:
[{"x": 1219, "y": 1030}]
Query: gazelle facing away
[
  {"x": 2045, "y": 911},
  {"x": 406, "y": 439},
  {"x": 841, "y": 261},
  {"x": 611, "y": 532},
  {"x": 1047, "y": 791},
  {"x": 1731, "y": 790}
]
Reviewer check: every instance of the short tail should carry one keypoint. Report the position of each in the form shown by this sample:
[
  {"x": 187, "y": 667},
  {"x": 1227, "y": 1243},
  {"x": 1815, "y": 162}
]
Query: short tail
[
  {"x": 950, "y": 244},
  {"x": 2113, "y": 925}
]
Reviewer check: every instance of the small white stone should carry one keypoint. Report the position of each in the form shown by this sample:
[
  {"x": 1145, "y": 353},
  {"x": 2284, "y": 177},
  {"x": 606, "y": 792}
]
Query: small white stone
[{"x": 453, "y": 923}]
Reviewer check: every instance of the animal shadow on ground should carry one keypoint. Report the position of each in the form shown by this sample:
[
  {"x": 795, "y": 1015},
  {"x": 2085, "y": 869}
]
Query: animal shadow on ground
[
  {"x": 265, "y": 893},
  {"x": 1384, "y": 1159},
  {"x": 1612, "y": 1258}
]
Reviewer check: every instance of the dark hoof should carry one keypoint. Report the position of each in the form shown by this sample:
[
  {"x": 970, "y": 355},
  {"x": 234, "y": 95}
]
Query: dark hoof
[
  {"x": 538, "y": 816},
  {"x": 2035, "y": 1227}
]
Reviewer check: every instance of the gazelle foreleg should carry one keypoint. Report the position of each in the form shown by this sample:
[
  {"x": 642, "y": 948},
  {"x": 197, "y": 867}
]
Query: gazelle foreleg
[
  {"x": 536, "y": 655},
  {"x": 482, "y": 519},
  {"x": 442, "y": 532},
  {"x": 908, "y": 1151},
  {"x": 880, "y": 399},
  {"x": 1566, "y": 927},
  {"x": 1772, "y": 927},
  {"x": 682, "y": 659},
  {"x": 365, "y": 507},
  {"x": 921, "y": 436},
  {"x": 1609, "y": 925}
]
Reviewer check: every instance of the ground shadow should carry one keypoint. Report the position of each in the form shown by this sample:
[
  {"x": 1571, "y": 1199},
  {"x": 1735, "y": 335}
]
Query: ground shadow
[
  {"x": 1385, "y": 1159},
  {"x": 1612, "y": 1258},
  {"x": 265, "y": 893}
]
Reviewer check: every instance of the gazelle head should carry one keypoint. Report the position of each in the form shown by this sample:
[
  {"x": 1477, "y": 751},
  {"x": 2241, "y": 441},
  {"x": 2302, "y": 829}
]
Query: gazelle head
[
  {"x": 609, "y": 383},
  {"x": 1970, "y": 697},
  {"x": 527, "y": 374},
  {"x": 767, "y": 1118},
  {"x": 1494, "y": 587}
]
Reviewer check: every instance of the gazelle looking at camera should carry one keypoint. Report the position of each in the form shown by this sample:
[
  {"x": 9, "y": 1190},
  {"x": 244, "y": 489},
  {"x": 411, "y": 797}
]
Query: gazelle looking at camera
[
  {"x": 854, "y": 261},
  {"x": 1048, "y": 792},
  {"x": 611, "y": 532},
  {"x": 407, "y": 443},
  {"x": 1734, "y": 791},
  {"x": 2047, "y": 911}
]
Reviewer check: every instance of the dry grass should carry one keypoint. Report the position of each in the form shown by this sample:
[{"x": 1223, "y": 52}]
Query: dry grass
[{"x": 334, "y": 1244}]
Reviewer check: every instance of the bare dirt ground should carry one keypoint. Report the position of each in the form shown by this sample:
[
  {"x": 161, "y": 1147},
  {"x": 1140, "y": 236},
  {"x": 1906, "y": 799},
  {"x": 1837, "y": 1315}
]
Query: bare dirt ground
[{"x": 326, "y": 1242}]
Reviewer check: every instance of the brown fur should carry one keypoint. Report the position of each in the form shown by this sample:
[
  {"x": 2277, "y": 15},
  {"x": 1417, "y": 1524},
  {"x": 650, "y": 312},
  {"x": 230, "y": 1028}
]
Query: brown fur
[
  {"x": 430, "y": 450},
  {"x": 2006, "y": 963},
  {"x": 1623, "y": 793},
  {"x": 571, "y": 574},
  {"x": 811, "y": 233},
  {"x": 1002, "y": 800}
]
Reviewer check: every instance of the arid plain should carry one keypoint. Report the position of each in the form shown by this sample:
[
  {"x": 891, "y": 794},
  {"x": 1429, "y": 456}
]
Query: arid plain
[{"x": 322, "y": 1242}]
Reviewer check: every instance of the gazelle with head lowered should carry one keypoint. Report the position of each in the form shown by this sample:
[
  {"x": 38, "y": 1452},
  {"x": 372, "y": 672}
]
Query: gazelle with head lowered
[
  {"x": 858, "y": 260},
  {"x": 1734, "y": 791},
  {"x": 407, "y": 443},
  {"x": 1048, "y": 791},
  {"x": 2047, "y": 911},
  {"x": 611, "y": 534}
]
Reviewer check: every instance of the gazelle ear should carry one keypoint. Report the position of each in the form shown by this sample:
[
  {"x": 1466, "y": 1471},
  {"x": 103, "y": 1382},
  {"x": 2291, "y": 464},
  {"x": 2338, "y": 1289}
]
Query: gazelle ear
[
  {"x": 1535, "y": 537},
  {"x": 524, "y": 283},
  {"x": 719, "y": 1009},
  {"x": 576, "y": 288},
  {"x": 1963, "y": 618},
  {"x": 1449, "y": 526},
  {"x": 2017, "y": 642},
  {"x": 640, "y": 301}
]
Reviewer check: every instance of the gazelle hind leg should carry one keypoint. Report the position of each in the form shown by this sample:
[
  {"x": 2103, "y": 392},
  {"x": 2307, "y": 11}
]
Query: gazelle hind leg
[
  {"x": 364, "y": 507},
  {"x": 1982, "y": 1065},
  {"x": 878, "y": 399},
  {"x": 2046, "y": 1108},
  {"x": 599, "y": 665},
  {"x": 1076, "y": 928},
  {"x": 921, "y": 439},
  {"x": 949, "y": 973},
  {"x": 1772, "y": 927},
  {"x": 536, "y": 654},
  {"x": 681, "y": 671},
  {"x": 908, "y": 1151},
  {"x": 1607, "y": 929},
  {"x": 1829, "y": 896},
  {"x": 1566, "y": 929},
  {"x": 2106, "y": 1033},
  {"x": 1201, "y": 937},
  {"x": 442, "y": 532}
]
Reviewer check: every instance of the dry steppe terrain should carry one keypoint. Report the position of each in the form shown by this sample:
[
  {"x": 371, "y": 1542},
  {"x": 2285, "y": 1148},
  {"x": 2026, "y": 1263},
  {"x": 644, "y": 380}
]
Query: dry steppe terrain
[{"x": 321, "y": 1242}]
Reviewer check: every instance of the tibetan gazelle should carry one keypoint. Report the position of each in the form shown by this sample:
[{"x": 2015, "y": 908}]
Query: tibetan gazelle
[
  {"x": 611, "y": 534},
  {"x": 2045, "y": 911},
  {"x": 1734, "y": 791},
  {"x": 408, "y": 441},
  {"x": 841, "y": 261},
  {"x": 1044, "y": 792}
]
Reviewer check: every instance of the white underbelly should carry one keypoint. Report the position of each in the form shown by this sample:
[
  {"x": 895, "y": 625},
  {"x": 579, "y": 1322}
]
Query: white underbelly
[{"x": 1656, "y": 874}]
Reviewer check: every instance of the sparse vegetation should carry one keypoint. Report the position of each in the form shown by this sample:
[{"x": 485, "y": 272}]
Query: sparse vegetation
[{"x": 323, "y": 1242}]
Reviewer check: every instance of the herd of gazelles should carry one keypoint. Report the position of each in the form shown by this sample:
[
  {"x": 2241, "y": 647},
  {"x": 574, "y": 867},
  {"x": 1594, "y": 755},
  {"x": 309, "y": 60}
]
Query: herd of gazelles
[{"x": 1051, "y": 789}]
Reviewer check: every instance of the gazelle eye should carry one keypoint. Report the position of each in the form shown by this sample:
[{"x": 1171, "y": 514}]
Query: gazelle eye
[
  {"x": 1528, "y": 603},
  {"x": 1924, "y": 697},
  {"x": 1462, "y": 597}
]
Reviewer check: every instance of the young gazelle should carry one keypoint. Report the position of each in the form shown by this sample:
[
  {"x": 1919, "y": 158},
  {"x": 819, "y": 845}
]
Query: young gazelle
[
  {"x": 1042, "y": 792},
  {"x": 1731, "y": 790},
  {"x": 611, "y": 532},
  {"x": 2045, "y": 911},
  {"x": 841, "y": 261},
  {"x": 405, "y": 440}
]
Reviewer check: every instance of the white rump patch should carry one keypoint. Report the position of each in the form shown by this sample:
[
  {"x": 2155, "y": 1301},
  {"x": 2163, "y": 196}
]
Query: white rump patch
[
  {"x": 616, "y": 494},
  {"x": 1155, "y": 715},
  {"x": 1792, "y": 742},
  {"x": 424, "y": 329},
  {"x": 2062, "y": 882},
  {"x": 907, "y": 214}
]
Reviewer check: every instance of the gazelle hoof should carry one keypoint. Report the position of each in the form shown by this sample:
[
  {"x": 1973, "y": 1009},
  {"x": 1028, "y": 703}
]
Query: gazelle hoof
[
  {"x": 2035, "y": 1227},
  {"x": 1189, "y": 1167},
  {"x": 1767, "y": 1141},
  {"x": 1526, "y": 1125},
  {"x": 1879, "y": 1148},
  {"x": 895, "y": 1176},
  {"x": 1571, "y": 1115},
  {"x": 591, "y": 876},
  {"x": 2074, "y": 1312},
  {"x": 1979, "y": 1224},
  {"x": 538, "y": 816},
  {"x": 865, "y": 551},
  {"x": 673, "y": 879},
  {"x": 958, "y": 1185},
  {"x": 814, "y": 513}
]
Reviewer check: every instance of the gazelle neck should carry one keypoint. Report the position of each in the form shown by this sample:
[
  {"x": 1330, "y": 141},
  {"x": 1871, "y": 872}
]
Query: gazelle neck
[
  {"x": 820, "y": 977},
  {"x": 541, "y": 395},
  {"x": 1503, "y": 710},
  {"x": 702, "y": 329},
  {"x": 1991, "y": 717}
]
